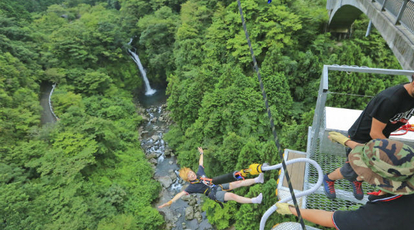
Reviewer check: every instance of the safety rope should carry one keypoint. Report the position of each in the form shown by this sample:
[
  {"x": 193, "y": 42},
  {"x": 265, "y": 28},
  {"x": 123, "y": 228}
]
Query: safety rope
[
  {"x": 205, "y": 180},
  {"x": 407, "y": 127},
  {"x": 276, "y": 140},
  {"x": 349, "y": 94}
]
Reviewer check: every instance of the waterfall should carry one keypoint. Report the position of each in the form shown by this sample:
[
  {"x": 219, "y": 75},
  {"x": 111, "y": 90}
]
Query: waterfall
[{"x": 134, "y": 56}]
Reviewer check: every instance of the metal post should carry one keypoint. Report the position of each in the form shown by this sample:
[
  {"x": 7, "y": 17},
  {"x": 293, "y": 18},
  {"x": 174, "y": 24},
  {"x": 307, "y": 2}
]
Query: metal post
[
  {"x": 383, "y": 5},
  {"x": 401, "y": 12},
  {"x": 320, "y": 108},
  {"x": 369, "y": 28}
]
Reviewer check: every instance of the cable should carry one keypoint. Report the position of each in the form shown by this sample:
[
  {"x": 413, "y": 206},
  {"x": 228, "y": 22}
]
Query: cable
[
  {"x": 271, "y": 119},
  {"x": 350, "y": 94}
]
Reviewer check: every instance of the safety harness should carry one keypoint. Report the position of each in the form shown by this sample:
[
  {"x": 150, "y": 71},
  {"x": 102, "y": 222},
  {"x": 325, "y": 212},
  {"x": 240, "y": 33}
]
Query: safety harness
[
  {"x": 204, "y": 180},
  {"x": 211, "y": 191}
]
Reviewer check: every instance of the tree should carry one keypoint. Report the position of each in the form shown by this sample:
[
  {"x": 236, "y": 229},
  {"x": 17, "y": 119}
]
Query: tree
[{"x": 157, "y": 39}]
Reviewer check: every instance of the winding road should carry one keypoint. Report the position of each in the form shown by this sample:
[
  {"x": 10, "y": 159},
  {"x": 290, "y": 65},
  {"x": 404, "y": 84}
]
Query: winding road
[{"x": 47, "y": 115}]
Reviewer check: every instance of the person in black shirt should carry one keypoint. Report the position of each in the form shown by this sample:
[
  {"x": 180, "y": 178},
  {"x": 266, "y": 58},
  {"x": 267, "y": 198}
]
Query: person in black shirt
[
  {"x": 385, "y": 113},
  {"x": 199, "y": 183},
  {"x": 386, "y": 164}
]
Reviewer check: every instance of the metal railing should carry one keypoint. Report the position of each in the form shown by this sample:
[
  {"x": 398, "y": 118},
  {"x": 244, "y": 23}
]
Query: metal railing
[
  {"x": 328, "y": 155},
  {"x": 402, "y": 10},
  {"x": 318, "y": 117},
  {"x": 407, "y": 18}
]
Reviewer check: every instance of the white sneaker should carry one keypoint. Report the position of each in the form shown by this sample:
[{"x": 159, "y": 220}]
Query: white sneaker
[
  {"x": 259, "y": 179},
  {"x": 257, "y": 199}
]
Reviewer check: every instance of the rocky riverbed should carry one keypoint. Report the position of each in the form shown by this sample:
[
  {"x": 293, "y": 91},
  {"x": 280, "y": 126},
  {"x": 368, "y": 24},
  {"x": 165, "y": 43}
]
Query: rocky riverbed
[{"x": 185, "y": 213}]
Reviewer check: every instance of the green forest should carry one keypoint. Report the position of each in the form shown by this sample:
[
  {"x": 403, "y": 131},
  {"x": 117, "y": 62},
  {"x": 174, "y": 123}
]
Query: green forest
[{"x": 88, "y": 171}]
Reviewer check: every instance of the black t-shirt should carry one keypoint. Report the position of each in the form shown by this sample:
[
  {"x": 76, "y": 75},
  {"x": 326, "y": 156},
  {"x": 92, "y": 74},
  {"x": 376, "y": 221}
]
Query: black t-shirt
[
  {"x": 393, "y": 106},
  {"x": 199, "y": 187},
  {"x": 387, "y": 212}
]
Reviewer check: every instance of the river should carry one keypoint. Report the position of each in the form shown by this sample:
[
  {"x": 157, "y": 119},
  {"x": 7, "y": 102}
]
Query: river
[{"x": 166, "y": 170}]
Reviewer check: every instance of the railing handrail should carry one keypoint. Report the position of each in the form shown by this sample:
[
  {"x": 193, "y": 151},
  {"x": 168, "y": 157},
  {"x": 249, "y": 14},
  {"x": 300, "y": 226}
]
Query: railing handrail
[
  {"x": 401, "y": 10},
  {"x": 401, "y": 6}
]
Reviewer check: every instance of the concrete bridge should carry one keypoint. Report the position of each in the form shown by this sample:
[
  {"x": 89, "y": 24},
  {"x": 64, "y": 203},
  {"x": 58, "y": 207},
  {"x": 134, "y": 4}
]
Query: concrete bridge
[{"x": 394, "y": 19}]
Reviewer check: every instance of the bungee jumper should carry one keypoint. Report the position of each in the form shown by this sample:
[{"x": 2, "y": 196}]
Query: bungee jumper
[{"x": 220, "y": 193}]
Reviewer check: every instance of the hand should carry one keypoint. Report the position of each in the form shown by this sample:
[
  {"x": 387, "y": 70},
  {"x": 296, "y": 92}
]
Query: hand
[
  {"x": 165, "y": 204},
  {"x": 283, "y": 208},
  {"x": 200, "y": 150},
  {"x": 338, "y": 138}
]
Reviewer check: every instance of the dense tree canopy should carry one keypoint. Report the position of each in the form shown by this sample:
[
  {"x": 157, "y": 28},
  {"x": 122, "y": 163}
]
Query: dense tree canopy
[{"x": 88, "y": 171}]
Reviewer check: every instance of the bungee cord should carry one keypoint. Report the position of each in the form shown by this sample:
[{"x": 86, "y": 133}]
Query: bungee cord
[{"x": 276, "y": 139}]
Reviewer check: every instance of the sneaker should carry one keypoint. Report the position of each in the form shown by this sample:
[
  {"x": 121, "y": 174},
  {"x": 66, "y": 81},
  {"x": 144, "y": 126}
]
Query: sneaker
[
  {"x": 259, "y": 179},
  {"x": 257, "y": 199},
  {"x": 358, "y": 193},
  {"x": 329, "y": 187}
]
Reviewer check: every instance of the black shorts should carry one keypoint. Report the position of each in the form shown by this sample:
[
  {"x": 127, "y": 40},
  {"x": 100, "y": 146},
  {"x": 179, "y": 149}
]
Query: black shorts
[
  {"x": 346, "y": 170},
  {"x": 221, "y": 190}
]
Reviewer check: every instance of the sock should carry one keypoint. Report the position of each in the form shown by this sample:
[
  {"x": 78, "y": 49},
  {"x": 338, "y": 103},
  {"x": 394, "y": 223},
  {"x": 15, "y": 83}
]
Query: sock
[
  {"x": 257, "y": 199},
  {"x": 259, "y": 179}
]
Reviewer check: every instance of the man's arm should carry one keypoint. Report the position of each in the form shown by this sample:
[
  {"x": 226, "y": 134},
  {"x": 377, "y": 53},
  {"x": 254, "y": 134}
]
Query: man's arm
[
  {"x": 176, "y": 197},
  {"x": 376, "y": 129},
  {"x": 352, "y": 144},
  {"x": 321, "y": 217},
  {"x": 200, "y": 150}
]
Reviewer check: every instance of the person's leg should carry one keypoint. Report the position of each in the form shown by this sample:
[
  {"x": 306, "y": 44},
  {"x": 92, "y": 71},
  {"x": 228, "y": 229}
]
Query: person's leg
[
  {"x": 335, "y": 175},
  {"x": 346, "y": 172},
  {"x": 241, "y": 183},
  {"x": 248, "y": 182},
  {"x": 357, "y": 189},
  {"x": 329, "y": 181},
  {"x": 329, "y": 187},
  {"x": 243, "y": 200}
]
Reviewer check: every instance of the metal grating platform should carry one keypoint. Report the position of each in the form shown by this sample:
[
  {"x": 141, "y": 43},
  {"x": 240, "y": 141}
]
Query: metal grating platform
[
  {"x": 329, "y": 156},
  {"x": 345, "y": 199}
]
